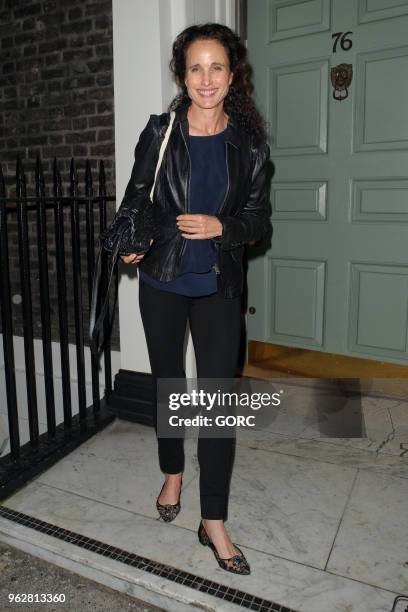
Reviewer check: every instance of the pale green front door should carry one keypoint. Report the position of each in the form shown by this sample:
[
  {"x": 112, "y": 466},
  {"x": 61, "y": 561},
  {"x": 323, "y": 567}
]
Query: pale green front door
[{"x": 336, "y": 276}]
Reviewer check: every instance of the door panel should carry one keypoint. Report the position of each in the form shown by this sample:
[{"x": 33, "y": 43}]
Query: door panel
[
  {"x": 301, "y": 200},
  {"x": 381, "y": 98},
  {"x": 373, "y": 10},
  {"x": 295, "y": 133},
  {"x": 380, "y": 201},
  {"x": 378, "y": 293},
  {"x": 303, "y": 321},
  {"x": 336, "y": 275},
  {"x": 297, "y": 17}
]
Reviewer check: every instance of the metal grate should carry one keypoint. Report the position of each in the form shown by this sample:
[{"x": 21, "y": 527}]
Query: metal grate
[{"x": 240, "y": 598}]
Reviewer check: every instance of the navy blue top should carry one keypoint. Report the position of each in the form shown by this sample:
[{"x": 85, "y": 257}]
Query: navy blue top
[{"x": 208, "y": 185}]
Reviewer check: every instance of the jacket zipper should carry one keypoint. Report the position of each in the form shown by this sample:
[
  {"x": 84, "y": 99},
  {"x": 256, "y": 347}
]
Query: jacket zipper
[
  {"x": 188, "y": 189},
  {"x": 216, "y": 268},
  {"x": 228, "y": 180}
]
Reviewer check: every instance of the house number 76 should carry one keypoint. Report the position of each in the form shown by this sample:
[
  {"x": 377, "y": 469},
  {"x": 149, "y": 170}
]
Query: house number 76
[{"x": 345, "y": 43}]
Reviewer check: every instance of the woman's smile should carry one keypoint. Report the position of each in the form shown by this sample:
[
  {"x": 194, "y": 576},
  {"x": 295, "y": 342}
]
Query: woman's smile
[{"x": 207, "y": 92}]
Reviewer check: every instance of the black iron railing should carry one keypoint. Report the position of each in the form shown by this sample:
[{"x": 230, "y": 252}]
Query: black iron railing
[{"x": 59, "y": 437}]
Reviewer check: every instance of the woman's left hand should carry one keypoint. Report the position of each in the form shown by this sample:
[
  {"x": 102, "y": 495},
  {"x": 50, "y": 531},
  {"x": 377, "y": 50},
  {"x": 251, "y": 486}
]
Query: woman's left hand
[{"x": 199, "y": 227}]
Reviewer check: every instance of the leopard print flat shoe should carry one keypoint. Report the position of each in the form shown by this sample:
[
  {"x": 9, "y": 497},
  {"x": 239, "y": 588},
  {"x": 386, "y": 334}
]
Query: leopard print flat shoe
[
  {"x": 168, "y": 512},
  {"x": 236, "y": 564}
]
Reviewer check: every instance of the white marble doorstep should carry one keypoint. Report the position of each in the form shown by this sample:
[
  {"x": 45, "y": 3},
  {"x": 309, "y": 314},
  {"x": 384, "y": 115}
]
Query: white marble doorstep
[
  {"x": 281, "y": 504},
  {"x": 301, "y": 406},
  {"x": 325, "y": 449},
  {"x": 318, "y": 414},
  {"x": 284, "y": 505},
  {"x": 118, "y": 466},
  {"x": 399, "y": 418},
  {"x": 377, "y": 424},
  {"x": 303, "y": 588},
  {"x": 386, "y": 426},
  {"x": 371, "y": 544}
]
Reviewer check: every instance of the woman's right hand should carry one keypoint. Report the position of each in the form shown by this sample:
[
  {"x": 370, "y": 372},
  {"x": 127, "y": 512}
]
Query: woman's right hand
[{"x": 133, "y": 257}]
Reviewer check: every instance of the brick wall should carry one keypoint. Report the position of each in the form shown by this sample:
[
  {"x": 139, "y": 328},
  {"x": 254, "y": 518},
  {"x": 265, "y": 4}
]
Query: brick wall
[{"x": 56, "y": 99}]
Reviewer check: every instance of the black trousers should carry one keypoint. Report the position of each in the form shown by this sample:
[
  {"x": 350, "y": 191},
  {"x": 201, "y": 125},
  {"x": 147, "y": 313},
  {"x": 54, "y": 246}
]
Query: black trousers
[{"x": 215, "y": 325}]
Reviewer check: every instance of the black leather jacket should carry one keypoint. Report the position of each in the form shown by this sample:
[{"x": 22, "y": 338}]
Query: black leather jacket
[{"x": 244, "y": 214}]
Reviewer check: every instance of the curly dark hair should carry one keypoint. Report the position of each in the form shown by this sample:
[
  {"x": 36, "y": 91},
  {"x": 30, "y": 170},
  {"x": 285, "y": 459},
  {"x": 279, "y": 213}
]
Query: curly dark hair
[{"x": 238, "y": 101}]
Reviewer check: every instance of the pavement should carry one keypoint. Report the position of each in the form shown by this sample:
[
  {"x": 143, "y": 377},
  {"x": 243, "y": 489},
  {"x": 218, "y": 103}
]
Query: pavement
[{"x": 23, "y": 573}]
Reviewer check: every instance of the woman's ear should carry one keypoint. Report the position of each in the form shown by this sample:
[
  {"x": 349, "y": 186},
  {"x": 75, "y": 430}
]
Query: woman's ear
[{"x": 231, "y": 78}]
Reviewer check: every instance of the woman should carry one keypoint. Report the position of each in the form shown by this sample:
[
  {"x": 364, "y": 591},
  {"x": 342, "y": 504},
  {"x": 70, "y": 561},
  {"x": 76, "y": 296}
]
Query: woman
[{"x": 210, "y": 198}]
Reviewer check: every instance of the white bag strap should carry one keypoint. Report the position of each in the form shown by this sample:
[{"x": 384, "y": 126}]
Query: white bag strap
[{"x": 162, "y": 150}]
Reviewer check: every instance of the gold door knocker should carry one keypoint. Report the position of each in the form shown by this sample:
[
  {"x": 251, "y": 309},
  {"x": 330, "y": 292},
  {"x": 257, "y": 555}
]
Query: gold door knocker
[{"x": 341, "y": 77}]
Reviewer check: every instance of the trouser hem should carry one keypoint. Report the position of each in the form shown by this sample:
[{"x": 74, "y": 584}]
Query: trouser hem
[{"x": 213, "y": 508}]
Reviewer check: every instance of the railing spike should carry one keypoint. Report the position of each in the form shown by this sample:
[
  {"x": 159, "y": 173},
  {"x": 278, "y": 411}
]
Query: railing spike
[
  {"x": 102, "y": 179},
  {"x": 72, "y": 166},
  {"x": 18, "y": 165},
  {"x": 73, "y": 178},
  {"x": 2, "y": 183},
  {"x": 20, "y": 178},
  {"x": 57, "y": 183},
  {"x": 39, "y": 178},
  {"x": 88, "y": 179}
]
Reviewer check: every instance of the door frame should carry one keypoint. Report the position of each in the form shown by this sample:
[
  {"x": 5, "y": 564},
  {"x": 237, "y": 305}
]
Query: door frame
[{"x": 241, "y": 18}]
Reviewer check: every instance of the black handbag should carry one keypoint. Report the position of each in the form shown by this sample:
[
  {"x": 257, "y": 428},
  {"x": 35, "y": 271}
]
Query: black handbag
[{"x": 131, "y": 231}]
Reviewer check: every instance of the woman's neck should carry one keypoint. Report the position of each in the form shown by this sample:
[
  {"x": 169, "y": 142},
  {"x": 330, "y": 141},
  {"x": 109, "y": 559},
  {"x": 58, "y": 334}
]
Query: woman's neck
[{"x": 206, "y": 122}]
